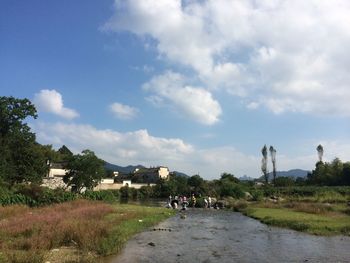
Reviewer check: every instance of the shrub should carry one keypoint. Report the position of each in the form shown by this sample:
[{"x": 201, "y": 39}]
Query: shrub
[
  {"x": 240, "y": 205},
  {"x": 104, "y": 195},
  {"x": 233, "y": 190},
  {"x": 125, "y": 192},
  {"x": 145, "y": 192},
  {"x": 16, "y": 199},
  {"x": 257, "y": 195}
]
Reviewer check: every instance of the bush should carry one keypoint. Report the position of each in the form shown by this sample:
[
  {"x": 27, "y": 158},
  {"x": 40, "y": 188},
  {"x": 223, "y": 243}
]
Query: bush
[
  {"x": 16, "y": 199},
  {"x": 233, "y": 190},
  {"x": 240, "y": 205},
  {"x": 125, "y": 192},
  {"x": 34, "y": 195},
  {"x": 257, "y": 195},
  {"x": 104, "y": 195},
  {"x": 145, "y": 192}
]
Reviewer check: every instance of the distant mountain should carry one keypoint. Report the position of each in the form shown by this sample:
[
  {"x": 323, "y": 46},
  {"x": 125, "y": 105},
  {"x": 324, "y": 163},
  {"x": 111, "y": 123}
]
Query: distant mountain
[
  {"x": 294, "y": 173},
  {"x": 246, "y": 178},
  {"x": 180, "y": 174},
  {"x": 121, "y": 169}
]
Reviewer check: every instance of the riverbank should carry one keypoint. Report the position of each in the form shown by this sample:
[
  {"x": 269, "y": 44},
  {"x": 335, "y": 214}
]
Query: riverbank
[
  {"x": 310, "y": 217},
  {"x": 77, "y": 231}
]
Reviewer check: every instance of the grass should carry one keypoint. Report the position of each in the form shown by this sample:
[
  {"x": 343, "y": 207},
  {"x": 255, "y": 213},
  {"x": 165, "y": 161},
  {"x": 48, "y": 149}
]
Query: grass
[
  {"x": 313, "y": 218},
  {"x": 77, "y": 231}
]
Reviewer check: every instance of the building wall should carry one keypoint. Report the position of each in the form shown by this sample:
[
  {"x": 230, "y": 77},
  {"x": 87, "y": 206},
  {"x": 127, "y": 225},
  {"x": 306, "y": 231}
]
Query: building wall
[
  {"x": 54, "y": 182},
  {"x": 163, "y": 172},
  {"x": 107, "y": 181},
  {"x": 117, "y": 186},
  {"x": 57, "y": 172}
]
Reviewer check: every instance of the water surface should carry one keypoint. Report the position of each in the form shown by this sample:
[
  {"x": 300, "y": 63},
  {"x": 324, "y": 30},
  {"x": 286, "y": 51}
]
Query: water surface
[{"x": 225, "y": 236}]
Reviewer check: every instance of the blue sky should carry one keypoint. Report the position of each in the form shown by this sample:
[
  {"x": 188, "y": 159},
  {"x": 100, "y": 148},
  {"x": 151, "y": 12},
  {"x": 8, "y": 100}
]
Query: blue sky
[{"x": 198, "y": 86}]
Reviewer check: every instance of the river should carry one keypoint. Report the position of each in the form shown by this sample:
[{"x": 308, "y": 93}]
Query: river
[{"x": 225, "y": 236}]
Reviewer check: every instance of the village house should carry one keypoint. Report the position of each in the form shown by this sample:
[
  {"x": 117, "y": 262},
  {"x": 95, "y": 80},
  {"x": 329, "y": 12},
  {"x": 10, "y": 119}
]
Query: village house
[
  {"x": 54, "y": 178},
  {"x": 138, "y": 178}
]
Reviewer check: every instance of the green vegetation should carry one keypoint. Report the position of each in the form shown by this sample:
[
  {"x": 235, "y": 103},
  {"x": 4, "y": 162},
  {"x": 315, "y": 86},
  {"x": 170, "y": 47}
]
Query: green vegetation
[
  {"x": 21, "y": 158},
  {"x": 84, "y": 171},
  {"x": 77, "y": 231},
  {"x": 309, "y": 217}
]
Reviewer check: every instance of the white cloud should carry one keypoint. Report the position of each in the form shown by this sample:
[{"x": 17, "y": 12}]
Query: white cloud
[
  {"x": 51, "y": 101},
  {"x": 289, "y": 54},
  {"x": 122, "y": 111},
  {"x": 196, "y": 103},
  {"x": 139, "y": 147}
]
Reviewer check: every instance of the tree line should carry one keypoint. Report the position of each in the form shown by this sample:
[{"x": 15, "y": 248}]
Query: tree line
[{"x": 335, "y": 173}]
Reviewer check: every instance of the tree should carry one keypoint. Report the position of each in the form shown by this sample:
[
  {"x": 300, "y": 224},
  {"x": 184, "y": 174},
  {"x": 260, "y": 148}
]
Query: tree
[
  {"x": 65, "y": 153},
  {"x": 229, "y": 186},
  {"x": 229, "y": 177},
  {"x": 346, "y": 173},
  {"x": 197, "y": 184},
  {"x": 273, "y": 159},
  {"x": 264, "y": 164},
  {"x": 20, "y": 157},
  {"x": 320, "y": 152},
  {"x": 84, "y": 171}
]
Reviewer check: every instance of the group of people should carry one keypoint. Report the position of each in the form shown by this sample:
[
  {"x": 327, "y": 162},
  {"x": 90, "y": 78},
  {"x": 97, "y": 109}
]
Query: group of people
[
  {"x": 207, "y": 202},
  {"x": 175, "y": 201}
]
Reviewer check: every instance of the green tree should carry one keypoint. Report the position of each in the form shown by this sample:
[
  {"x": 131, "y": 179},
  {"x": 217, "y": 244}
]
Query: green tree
[
  {"x": 346, "y": 174},
  {"x": 21, "y": 159},
  {"x": 229, "y": 177},
  {"x": 273, "y": 159},
  {"x": 229, "y": 186},
  {"x": 84, "y": 171},
  {"x": 264, "y": 164},
  {"x": 319, "y": 152},
  {"x": 64, "y": 153},
  {"x": 197, "y": 184}
]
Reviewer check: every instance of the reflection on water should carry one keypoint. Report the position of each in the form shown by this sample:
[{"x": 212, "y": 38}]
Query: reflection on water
[{"x": 224, "y": 236}]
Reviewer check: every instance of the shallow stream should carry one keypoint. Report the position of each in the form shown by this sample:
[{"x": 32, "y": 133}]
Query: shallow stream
[{"x": 225, "y": 236}]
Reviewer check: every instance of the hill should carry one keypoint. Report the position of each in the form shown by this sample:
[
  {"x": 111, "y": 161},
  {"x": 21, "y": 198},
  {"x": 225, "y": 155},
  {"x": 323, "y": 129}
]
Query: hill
[
  {"x": 180, "y": 174},
  {"x": 294, "y": 173},
  {"x": 122, "y": 169}
]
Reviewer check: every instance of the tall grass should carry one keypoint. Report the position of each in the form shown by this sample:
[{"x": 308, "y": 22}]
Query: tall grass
[
  {"x": 86, "y": 226},
  {"x": 74, "y": 223},
  {"x": 319, "y": 224}
]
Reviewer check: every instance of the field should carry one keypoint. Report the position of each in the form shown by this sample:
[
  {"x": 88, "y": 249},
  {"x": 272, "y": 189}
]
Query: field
[{"x": 77, "y": 231}]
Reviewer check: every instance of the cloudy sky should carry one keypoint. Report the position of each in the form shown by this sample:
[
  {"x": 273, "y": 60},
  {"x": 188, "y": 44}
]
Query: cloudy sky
[{"x": 196, "y": 85}]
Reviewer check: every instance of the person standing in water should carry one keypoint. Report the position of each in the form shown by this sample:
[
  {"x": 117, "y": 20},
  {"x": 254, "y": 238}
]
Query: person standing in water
[{"x": 193, "y": 200}]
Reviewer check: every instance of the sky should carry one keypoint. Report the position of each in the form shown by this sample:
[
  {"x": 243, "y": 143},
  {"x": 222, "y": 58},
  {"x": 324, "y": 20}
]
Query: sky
[{"x": 199, "y": 86}]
